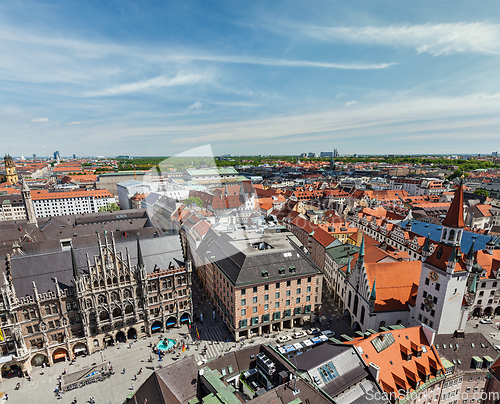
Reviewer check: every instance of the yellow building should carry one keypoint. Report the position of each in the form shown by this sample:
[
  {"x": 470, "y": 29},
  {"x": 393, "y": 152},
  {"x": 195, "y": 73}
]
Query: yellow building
[{"x": 9, "y": 175}]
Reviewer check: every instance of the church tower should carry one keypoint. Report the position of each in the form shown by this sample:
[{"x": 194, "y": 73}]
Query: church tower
[
  {"x": 28, "y": 204},
  {"x": 443, "y": 279},
  {"x": 10, "y": 170}
]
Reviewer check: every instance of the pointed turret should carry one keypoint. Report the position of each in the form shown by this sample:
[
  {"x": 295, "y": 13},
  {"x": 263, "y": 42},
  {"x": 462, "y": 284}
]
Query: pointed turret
[
  {"x": 140, "y": 260},
  {"x": 373, "y": 293},
  {"x": 361, "y": 256},
  {"x": 470, "y": 254},
  {"x": 455, "y": 216},
  {"x": 76, "y": 271},
  {"x": 473, "y": 285},
  {"x": 348, "y": 269}
]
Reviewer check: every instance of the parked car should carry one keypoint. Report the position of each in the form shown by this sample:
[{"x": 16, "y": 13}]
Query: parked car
[
  {"x": 328, "y": 333},
  {"x": 486, "y": 321},
  {"x": 312, "y": 331},
  {"x": 284, "y": 338},
  {"x": 299, "y": 334}
]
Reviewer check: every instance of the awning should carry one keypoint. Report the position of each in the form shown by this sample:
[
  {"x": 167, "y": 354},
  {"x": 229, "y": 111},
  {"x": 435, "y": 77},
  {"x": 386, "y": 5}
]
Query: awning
[
  {"x": 108, "y": 338},
  {"x": 6, "y": 358},
  {"x": 170, "y": 322},
  {"x": 156, "y": 327},
  {"x": 60, "y": 355},
  {"x": 80, "y": 349}
]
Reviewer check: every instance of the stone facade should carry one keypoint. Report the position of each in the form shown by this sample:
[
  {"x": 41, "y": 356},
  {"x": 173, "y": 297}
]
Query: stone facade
[{"x": 111, "y": 300}]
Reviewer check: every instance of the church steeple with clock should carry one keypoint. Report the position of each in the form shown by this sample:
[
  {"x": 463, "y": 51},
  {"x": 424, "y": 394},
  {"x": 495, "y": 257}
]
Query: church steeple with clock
[{"x": 443, "y": 279}]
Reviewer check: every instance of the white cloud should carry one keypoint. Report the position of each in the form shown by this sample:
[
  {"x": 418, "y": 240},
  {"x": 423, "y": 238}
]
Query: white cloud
[
  {"x": 40, "y": 120},
  {"x": 433, "y": 116},
  {"x": 350, "y": 103},
  {"x": 341, "y": 95},
  {"x": 256, "y": 60},
  {"x": 44, "y": 147},
  {"x": 157, "y": 82},
  {"x": 197, "y": 104},
  {"x": 74, "y": 123},
  {"x": 435, "y": 39}
]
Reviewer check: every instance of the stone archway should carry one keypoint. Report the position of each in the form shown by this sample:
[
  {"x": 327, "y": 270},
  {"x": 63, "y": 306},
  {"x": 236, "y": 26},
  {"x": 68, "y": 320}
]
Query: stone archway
[
  {"x": 132, "y": 333},
  {"x": 171, "y": 322},
  {"x": 185, "y": 318},
  {"x": 10, "y": 370},
  {"x": 477, "y": 312},
  {"x": 497, "y": 311},
  {"x": 80, "y": 349},
  {"x": 488, "y": 311},
  {"x": 156, "y": 327},
  {"x": 120, "y": 336},
  {"x": 108, "y": 340},
  {"x": 59, "y": 355},
  {"x": 39, "y": 359}
]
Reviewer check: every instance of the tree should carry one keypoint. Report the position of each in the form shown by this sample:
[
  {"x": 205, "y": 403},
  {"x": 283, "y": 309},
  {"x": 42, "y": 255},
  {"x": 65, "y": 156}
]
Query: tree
[
  {"x": 110, "y": 207},
  {"x": 481, "y": 192},
  {"x": 191, "y": 200}
]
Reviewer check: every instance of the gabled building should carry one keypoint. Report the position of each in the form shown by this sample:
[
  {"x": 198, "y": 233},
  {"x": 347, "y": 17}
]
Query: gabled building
[{"x": 406, "y": 365}]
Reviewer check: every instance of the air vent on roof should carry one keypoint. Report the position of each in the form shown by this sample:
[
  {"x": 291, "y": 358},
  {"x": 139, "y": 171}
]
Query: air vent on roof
[
  {"x": 265, "y": 274},
  {"x": 281, "y": 270},
  {"x": 292, "y": 269}
]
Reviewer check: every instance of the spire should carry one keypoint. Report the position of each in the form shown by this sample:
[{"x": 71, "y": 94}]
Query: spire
[
  {"x": 362, "y": 251},
  {"x": 362, "y": 248},
  {"x": 25, "y": 186},
  {"x": 348, "y": 270},
  {"x": 454, "y": 256},
  {"x": 455, "y": 215},
  {"x": 76, "y": 271},
  {"x": 473, "y": 285},
  {"x": 427, "y": 244},
  {"x": 140, "y": 260},
  {"x": 373, "y": 294},
  {"x": 470, "y": 254}
]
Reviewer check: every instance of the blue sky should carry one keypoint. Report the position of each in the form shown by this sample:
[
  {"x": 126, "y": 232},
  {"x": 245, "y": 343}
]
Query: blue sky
[{"x": 281, "y": 77}]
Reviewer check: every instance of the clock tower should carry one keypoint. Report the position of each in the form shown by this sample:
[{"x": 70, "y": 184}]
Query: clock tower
[{"x": 443, "y": 279}]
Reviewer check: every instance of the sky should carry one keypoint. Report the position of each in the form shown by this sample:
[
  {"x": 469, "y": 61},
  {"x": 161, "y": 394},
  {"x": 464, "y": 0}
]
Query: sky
[{"x": 156, "y": 78}]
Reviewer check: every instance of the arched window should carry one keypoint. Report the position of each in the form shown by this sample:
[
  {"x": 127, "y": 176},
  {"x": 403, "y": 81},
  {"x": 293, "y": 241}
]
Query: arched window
[
  {"x": 89, "y": 303},
  {"x": 452, "y": 235},
  {"x": 355, "y": 308},
  {"x": 104, "y": 315},
  {"x": 362, "y": 317},
  {"x": 114, "y": 297},
  {"x": 117, "y": 312},
  {"x": 127, "y": 293},
  {"x": 47, "y": 310},
  {"x": 102, "y": 299},
  {"x": 26, "y": 315}
]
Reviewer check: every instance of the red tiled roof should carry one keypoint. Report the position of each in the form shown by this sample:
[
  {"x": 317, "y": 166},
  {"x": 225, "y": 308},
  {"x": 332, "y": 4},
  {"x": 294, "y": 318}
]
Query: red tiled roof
[
  {"x": 393, "y": 368},
  {"x": 77, "y": 193},
  {"x": 455, "y": 215}
]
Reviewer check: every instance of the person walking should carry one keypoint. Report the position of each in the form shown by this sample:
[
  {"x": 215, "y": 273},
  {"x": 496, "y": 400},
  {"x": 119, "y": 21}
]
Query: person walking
[{"x": 123, "y": 371}]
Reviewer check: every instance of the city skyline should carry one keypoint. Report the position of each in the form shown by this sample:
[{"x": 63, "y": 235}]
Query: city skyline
[{"x": 134, "y": 78}]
